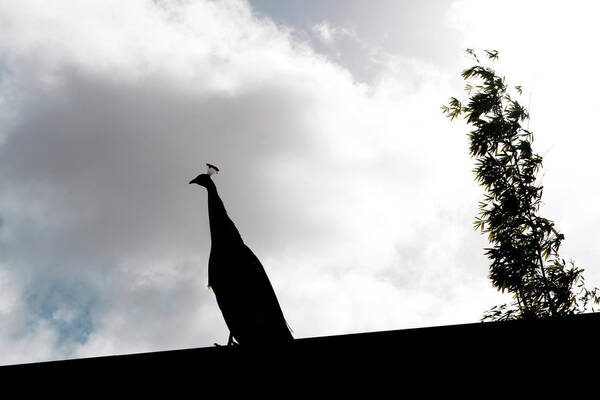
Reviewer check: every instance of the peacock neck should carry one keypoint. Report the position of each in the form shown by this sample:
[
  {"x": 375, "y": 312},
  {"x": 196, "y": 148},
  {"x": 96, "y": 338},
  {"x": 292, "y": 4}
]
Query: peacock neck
[{"x": 222, "y": 228}]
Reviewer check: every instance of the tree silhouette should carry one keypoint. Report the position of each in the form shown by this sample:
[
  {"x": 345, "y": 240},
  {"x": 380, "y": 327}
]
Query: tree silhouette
[{"x": 524, "y": 245}]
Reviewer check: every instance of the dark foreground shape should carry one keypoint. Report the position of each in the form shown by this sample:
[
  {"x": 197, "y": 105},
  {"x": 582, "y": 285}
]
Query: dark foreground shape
[
  {"x": 238, "y": 279},
  {"x": 501, "y": 352}
]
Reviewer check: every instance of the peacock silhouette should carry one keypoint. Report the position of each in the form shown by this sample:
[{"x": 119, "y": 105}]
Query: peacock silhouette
[{"x": 236, "y": 276}]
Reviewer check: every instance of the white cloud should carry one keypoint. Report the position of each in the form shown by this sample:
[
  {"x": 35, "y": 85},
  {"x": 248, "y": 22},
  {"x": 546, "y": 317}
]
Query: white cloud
[
  {"x": 357, "y": 198},
  {"x": 328, "y": 33}
]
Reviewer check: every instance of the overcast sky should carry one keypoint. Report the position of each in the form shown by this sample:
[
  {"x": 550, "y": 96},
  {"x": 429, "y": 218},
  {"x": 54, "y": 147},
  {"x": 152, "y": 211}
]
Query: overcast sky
[{"x": 337, "y": 165}]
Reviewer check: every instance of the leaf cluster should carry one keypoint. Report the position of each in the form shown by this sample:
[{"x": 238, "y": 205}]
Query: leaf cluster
[{"x": 524, "y": 245}]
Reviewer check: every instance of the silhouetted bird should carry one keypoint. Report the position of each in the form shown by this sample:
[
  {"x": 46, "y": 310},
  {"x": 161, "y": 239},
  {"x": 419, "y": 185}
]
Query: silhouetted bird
[{"x": 236, "y": 276}]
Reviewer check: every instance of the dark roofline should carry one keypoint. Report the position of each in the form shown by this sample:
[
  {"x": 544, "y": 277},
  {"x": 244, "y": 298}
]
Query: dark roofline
[{"x": 490, "y": 346}]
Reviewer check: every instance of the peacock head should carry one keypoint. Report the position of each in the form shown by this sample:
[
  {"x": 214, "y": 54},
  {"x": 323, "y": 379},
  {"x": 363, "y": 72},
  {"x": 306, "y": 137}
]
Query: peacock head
[{"x": 204, "y": 179}]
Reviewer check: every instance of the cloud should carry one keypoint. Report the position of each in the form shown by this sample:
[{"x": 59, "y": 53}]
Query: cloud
[
  {"x": 352, "y": 195},
  {"x": 328, "y": 33}
]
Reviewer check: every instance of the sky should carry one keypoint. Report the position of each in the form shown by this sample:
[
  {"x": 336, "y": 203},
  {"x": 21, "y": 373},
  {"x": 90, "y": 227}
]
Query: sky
[{"x": 337, "y": 165}]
